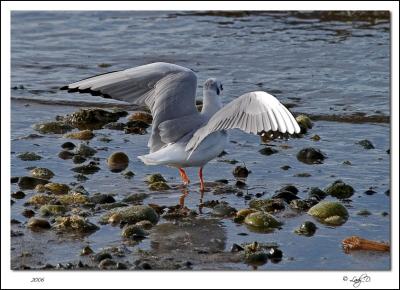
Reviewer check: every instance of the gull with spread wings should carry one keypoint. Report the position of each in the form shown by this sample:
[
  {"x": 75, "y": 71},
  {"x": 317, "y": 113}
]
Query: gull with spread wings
[{"x": 181, "y": 136}]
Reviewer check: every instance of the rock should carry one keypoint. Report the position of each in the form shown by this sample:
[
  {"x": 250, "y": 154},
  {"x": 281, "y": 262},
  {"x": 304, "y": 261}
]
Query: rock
[
  {"x": 339, "y": 190},
  {"x": 370, "y": 192},
  {"x": 364, "y": 212},
  {"x": 86, "y": 251},
  {"x": 267, "y": 205},
  {"x": 66, "y": 155},
  {"x": 40, "y": 199},
  {"x": 92, "y": 119},
  {"x": 57, "y": 127},
  {"x": 223, "y": 210},
  {"x": 303, "y": 204},
  {"x": 240, "y": 171},
  {"x": 332, "y": 213},
  {"x": 178, "y": 212},
  {"x": 285, "y": 195},
  {"x": 102, "y": 256},
  {"x": 240, "y": 184},
  {"x": 315, "y": 138},
  {"x": 128, "y": 174},
  {"x": 316, "y": 193},
  {"x": 293, "y": 189},
  {"x": 80, "y": 135},
  {"x": 133, "y": 232},
  {"x": 241, "y": 214},
  {"x": 26, "y": 182},
  {"x": 303, "y": 174},
  {"x": 84, "y": 150},
  {"x": 141, "y": 116},
  {"x": 347, "y": 162},
  {"x": 102, "y": 198},
  {"x": 68, "y": 145},
  {"x": 268, "y": 151},
  {"x": 366, "y": 144},
  {"x": 74, "y": 223},
  {"x": 78, "y": 159},
  {"x": 29, "y": 156},
  {"x": 304, "y": 122},
  {"x": 262, "y": 221},
  {"x": 43, "y": 173},
  {"x": 57, "y": 188},
  {"x": 146, "y": 225},
  {"x": 306, "y": 229},
  {"x": 28, "y": 213},
  {"x": 52, "y": 210},
  {"x": 118, "y": 161},
  {"x": 80, "y": 177},
  {"x": 90, "y": 168},
  {"x": 310, "y": 156},
  {"x": 14, "y": 179},
  {"x": 40, "y": 188},
  {"x": 18, "y": 195},
  {"x": 107, "y": 264},
  {"x": 73, "y": 199},
  {"x": 285, "y": 167},
  {"x": 132, "y": 214},
  {"x": 159, "y": 186},
  {"x": 275, "y": 255},
  {"x": 35, "y": 223},
  {"x": 115, "y": 126},
  {"x": 236, "y": 248},
  {"x": 136, "y": 197},
  {"x": 256, "y": 258},
  {"x": 157, "y": 177}
]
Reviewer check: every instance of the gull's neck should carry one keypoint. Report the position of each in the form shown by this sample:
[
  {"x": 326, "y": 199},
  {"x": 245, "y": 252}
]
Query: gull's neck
[{"x": 211, "y": 103}]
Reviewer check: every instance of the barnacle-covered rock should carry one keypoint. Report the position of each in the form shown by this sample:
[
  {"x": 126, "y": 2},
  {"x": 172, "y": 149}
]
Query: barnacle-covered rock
[
  {"x": 92, "y": 119},
  {"x": 44, "y": 173},
  {"x": 73, "y": 198},
  {"x": 54, "y": 127},
  {"x": 268, "y": 205},
  {"x": 159, "y": 186},
  {"x": 131, "y": 214},
  {"x": 90, "y": 168},
  {"x": 157, "y": 177},
  {"x": 52, "y": 209},
  {"x": 57, "y": 188},
  {"x": 40, "y": 199},
  {"x": 141, "y": 116},
  {"x": 340, "y": 190},
  {"x": 81, "y": 135},
  {"x": 29, "y": 156},
  {"x": 85, "y": 150},
  {"x": 74, "y": 223}
]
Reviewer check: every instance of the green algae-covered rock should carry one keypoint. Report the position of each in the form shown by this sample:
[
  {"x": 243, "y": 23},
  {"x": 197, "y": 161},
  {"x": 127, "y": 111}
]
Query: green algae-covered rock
[
  {"x": 130, "y": 215},
  {"x": 332, "y": 213},
  {"x": 56, "y": 127},
  {"x": 304, "y": 122},
  {"x": 133, "y": 232},
  {"x": 52, "y": 209},
  {"x": 261, "y": 220},
  {"x": 73, "y": 198},
  {"x": 29, "y": 156},
  {"x": 157, "y": 177},
  {"x": 40, "y": 199},
  {"x": 306, "y": 229},
  {"x": 160, "y": 185},
  {"x": 340, "y": 190},
  {"x": 268, "y": 205},
  {"x": 27, "y": 182},
  {"x": 57, "y": 188}
]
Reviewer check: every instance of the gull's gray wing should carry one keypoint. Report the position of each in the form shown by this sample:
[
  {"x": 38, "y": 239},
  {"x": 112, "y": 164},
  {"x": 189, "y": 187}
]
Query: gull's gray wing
[
  {"x": 167, "y": 89},
  {"x": 252, "y": 112}
]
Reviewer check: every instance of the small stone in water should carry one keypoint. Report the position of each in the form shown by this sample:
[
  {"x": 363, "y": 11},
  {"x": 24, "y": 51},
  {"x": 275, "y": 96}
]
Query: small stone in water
[
  {"x": 57, "y": 188},
  {"x": 339, "y": 190},
  {"x": 286, "y": 196},
  {"x": 118, "y": 161},
  {"x": 275, "y": 255},
  {"x": 293, "y": 189},
  {"x": 50, "y": 209},
  {"x": 85, "y": 150},
  {"x": 57, "y": 127},
  {"x": 268, "y": 151},
  {"x": 68, "y": 145},
  {"x": 304, "y": 122},
  {"x": 310, "y": 156},
  {"x": 78, "y": 159},
  {"x": 90, "y": 168},
  {"x": 285, "y": 167},
  {"x": 329, "y": 212},
  {"x": 44, "y": 173},
  {"x": 157, "y": 177},
  {"x": 240, "y": 184},
  {"x": 18, "y": 195},
  {"x": 141, "y": 116},
  {"x": 133, "y": 232},
  {"x": 364, "y": 212},
  {"x": 28, "y": 213},
  {"x": 156, "y": 186},
  {"x": 29, "y": 156},
  {"x": 240, "y": 171},
  {"x": 315, "y": 138},
  {"x": 86, "y": 251},
  {"x": 347, "y": 162},
  {"x": 236, "y": 248},
  {"x": 223, "y": 210},
  {"x": 317, "y": 193},
  {"x": 306, "y": 229},
  {"x": 26, "y": 182},
  {"x": 65, "y": 155},
  {"x": 370, "y": 192},
  {"x": 102, "y": 198},
  {"x": 102, "y": 256},
  {"x": 366, "y": 144},
  {"x": 81, "y": 135},
  {"x": 128, "y": 174}
]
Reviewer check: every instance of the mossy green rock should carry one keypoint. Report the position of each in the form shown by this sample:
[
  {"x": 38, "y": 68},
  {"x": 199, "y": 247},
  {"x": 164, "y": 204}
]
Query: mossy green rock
[
  {"x": 57, "y": 127},
  {"x": 268, "y": 205},
  {"x": 223, "y": 210},
  {"x": 261, "y": 220},
  {"x": 44, "y": 173},
  {"x": 340, "y": 190},
  {"x": 74, "y": 223},
  {"x": 52, "y": 209},
  {"x": 160, "y": 185},
  {"x": 29, "y": 156},
  {"x": 306, "y": 229},
  {"x": 304, "y": 122},
  {"x": 332, "y": 213},
  {"x": 155, "y": 178},
  {"x": 131, "y": 214},
  {"x": 256, "y": 258},
  {"x": 57, "y": 188}
]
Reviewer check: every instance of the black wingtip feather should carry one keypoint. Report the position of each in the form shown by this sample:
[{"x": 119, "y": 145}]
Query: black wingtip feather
[{"x": 64, "y": 88}]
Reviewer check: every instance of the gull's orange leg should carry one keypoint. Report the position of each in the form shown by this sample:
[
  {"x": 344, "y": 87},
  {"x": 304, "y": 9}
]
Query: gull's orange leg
[
  {"x": 201, "y": 179},
  {"x": 184, "y": 176}
]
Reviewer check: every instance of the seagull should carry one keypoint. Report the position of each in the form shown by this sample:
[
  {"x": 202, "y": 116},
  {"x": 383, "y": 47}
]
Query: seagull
[{"x": 182, "y": 136}]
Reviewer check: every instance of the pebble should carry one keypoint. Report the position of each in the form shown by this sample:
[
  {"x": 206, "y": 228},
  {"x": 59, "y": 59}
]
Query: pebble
[
  {"x": 36, "y": 223},
  {"x": 68, "y": 145},
  {"x": 240, "y": 171}
]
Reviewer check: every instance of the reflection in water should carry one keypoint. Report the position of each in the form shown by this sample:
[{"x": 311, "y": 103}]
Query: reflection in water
[{"x": 185, "y": 193}]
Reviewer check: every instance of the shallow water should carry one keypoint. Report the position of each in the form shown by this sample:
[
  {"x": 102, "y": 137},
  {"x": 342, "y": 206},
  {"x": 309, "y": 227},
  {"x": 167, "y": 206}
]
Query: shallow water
[{"x": 326, "y": 67}]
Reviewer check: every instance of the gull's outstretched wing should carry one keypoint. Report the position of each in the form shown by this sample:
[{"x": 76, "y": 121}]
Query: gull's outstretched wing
[
  {"x": 252, "y": 112},
  {"x": 167, "y": 89}
]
